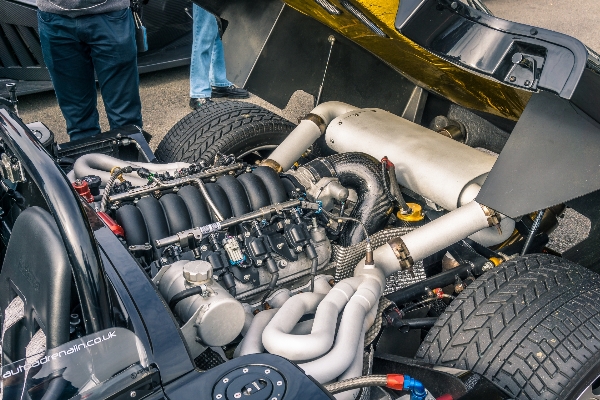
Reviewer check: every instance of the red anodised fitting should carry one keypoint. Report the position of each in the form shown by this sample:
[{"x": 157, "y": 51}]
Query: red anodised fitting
[
  {"x": 83, "y": 189},
  {"x": 111, "y": 224},
  {"x": 445, "y": 397},
  {"x": 388, "y": 163},
  {"x": 439, "y": 293},
  {"x": 395, "y": 381}
]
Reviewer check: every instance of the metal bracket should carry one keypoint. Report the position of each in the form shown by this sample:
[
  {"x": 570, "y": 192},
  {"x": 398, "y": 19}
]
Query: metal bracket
[
  {"x": 524, "y": 71},
  {"x": 12, "y": 169}
]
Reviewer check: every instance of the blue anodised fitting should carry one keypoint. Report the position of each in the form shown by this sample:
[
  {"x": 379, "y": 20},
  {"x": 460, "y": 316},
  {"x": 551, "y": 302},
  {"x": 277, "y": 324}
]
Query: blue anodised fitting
[
  {"x": 416, "y": 388},
  {"x": 320, "y": 204}
]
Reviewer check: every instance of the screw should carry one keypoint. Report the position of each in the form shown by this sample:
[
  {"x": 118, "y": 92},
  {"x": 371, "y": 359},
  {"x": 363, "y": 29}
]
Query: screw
[
  {"x": 132, "y": 394},
  {"x": 225, "y": 380},
  {"x": 246, "y": 277},
  {"x": 218, "y": 396},
  {"x": 245, "y": 370},
  {"x": 237, "y": 395},
  {"x": 282, "y": 264},
  {"x": 267, "y": 371},
  {"x": 512, "y": 79},
  {"x": 280, "y": 246},
  {"x": 279, "y": 383},
  {"x": 203, "y": 247},
  {"x": 299, "y": 249},
  {"x": 527, "y": 83},
  {"x": 163, "y": 261},
  {"x": 533, "y": 31},
  {"x": 259, "y": 262},
  {"x": 247, "y": 234},
  {"x": 454, "y": 5}
]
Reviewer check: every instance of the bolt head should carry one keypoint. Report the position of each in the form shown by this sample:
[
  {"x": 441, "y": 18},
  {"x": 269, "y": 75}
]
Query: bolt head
[
  {"x": 512, "y": 78},
  {"x": 197, "y": 271},
  {"x": 237, "y": 395},
  {"x": 247, "y": 234},
  {"x": 246, "y": 277},
  {"x": 204, "y": 247},
  {"x": 245, "y": 370},
  {"x": 132, "y": 394},
  {"x": 299, "y": 249},
  {"x": 267, "y": 371},
  {"x": 259, "y": 262},
  {"x": 219, "y": 396}
]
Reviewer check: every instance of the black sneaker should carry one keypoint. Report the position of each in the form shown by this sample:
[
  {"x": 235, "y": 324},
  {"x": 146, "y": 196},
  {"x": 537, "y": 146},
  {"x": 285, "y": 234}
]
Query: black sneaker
[
  {"x": 197, "y": 104},
  {"x": 230, "y": 91}
]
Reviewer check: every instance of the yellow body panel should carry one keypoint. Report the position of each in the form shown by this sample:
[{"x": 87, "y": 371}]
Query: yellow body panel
[{"x": 429, "y": 71}]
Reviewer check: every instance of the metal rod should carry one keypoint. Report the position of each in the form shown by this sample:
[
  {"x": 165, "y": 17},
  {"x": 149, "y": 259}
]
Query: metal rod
[
  {"x": 158, "y": 185},
  {"x": 202, "y": 231},
  {"x": 536, "y": 224},
  {"x": 331, "y": 40},
  {"x": 211, "y": 203}
]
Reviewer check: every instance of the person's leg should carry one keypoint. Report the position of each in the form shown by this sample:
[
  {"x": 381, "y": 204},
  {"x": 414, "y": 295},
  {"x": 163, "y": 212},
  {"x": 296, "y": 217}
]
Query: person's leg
[
  {"x": 218, "y": 72},
  {"x": 111, "y": 37},
  {"x": 221, "y": 86},
  {"x": 72, "y": 72},
  {"x": 204, "y": 31}
]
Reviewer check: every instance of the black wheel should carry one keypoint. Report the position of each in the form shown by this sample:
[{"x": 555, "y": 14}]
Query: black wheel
[
  {"x": 227, "y": 127},
  {"x": 532, "y": 326}
]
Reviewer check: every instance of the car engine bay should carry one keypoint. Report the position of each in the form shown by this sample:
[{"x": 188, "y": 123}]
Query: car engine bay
[{"x": 292, "y": 255}]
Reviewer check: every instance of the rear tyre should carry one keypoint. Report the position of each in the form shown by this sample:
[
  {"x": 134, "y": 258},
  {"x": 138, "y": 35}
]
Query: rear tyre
[
  {"x": 532, "y": 326},
  {"x": 227, "y": 127}
]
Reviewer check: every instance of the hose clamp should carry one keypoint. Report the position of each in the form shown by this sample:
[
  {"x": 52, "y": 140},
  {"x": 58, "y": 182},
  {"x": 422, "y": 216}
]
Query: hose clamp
[
  {"x": 274, "y": 165},
  {"x": 493, "y": 217},
  {"x": 318, "y": 121},
  {"x": 402, "y": 254}
]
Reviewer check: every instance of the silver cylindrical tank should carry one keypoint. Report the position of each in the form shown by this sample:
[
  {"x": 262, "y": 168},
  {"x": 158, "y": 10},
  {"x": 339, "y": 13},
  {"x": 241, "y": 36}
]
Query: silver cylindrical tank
[
  {"x": 441, "y": 169},
  {"x": 219, "y": 318}
]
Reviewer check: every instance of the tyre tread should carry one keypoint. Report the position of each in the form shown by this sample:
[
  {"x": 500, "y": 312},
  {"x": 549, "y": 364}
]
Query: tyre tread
[
  {"x": 530, "y": 325},
  {"x": 218, "y": 125}
]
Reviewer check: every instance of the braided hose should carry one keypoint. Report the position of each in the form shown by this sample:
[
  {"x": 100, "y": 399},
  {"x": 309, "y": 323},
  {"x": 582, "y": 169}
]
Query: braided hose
[
  {"x": 114, "y": 174},
  {"x": 357, "y": 383}
]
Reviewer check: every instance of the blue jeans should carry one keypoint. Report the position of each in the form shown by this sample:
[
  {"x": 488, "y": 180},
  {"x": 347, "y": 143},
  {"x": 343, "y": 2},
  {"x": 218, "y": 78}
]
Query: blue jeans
[
  {"x": 73, "y": 49},
  {"x": 208, "y": 60}
]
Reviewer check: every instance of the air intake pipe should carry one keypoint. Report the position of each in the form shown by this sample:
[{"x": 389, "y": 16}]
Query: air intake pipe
[
  {"x": 305, "y": 134},
  {"x": 101, "y": 165}
]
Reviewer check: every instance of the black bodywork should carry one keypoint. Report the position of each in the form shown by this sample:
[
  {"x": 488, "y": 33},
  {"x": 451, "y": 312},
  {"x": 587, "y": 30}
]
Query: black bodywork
[{"x": 168, "y": 24}]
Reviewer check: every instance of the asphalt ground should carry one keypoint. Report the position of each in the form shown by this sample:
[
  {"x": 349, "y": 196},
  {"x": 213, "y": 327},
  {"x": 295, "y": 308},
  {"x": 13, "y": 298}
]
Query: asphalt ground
[{"x": 165, "y": 94}]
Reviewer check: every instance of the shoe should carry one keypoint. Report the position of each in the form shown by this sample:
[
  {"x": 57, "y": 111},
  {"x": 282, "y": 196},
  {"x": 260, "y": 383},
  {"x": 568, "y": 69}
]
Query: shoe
[
  {"x": 230, "y": 91},
  {"x": 197, "y": 104}
]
